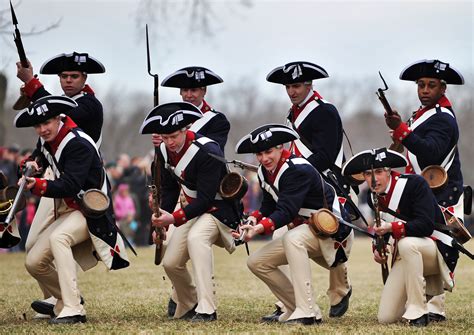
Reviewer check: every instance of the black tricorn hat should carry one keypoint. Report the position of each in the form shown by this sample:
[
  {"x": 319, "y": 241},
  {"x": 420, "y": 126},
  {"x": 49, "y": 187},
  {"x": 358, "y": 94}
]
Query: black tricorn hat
[
  {"x": 44, "y": 109},
  {"x": 265, "y": 137},
  {"x": 191, "y": 77},
  {"x": 432, "y": 68},
  {"x": 374, "y": 158},
  {"x": 296, "y": 72},
  {"x": 72, "y": 62},
  {"x": 170, "y": 117}
]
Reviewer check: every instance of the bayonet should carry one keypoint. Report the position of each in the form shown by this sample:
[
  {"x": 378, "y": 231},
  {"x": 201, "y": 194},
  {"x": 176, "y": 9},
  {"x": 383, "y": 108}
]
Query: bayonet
[
  {"x": 17, "y": 39},
  {"x": 155, "y": 76}
]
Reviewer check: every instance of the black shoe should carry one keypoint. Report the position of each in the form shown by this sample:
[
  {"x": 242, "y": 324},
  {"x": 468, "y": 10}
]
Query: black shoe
[
  {"x": 171, "y": 308},
  {"x": 422, "y": 321},
  {"x": 189, "y": 314},
  {"x": 338, "y": 310},
  {"x": 68, "y": 320},
  {"x": 202, "y": 317},
  {"x": 434, "y": 317},
  {"x": 304, "y": 321},
  {"x": 43, "y": 307},
  {"x": 46, "y": 308},
  {"x": 273, "y": 317}
]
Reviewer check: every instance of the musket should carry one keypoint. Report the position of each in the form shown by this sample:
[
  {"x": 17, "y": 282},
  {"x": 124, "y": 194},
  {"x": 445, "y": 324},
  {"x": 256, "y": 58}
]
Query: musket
[
  {"x": 11, "y": 214},
  {"x": 155, "y": 76},
  {"x": 380, "y": 93},
  {"x": 397, "y": 146},
  {"x": 241, "y": 239},
  {"x": 17, "y": 39},
  {"x": 23, "y": 101},
  {"x": 380, "y": 244},
  {"x": 236, "y": 163},
  {"x": 155, "y": 187}
]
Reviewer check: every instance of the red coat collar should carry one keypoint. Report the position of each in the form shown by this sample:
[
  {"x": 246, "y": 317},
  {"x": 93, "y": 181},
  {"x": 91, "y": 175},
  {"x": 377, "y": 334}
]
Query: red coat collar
[
  {"x": 176, "y": 156},
  {"x": 205, "y": 107},
  {"x": 296, "y": 109},
  {"x": 384, "y": 200},
  {"x": 87, "y": 89},
  {"x": 68, "y": 123},
  {"x": 442, "y": 102},
  {"x": 284, "y": 157}
]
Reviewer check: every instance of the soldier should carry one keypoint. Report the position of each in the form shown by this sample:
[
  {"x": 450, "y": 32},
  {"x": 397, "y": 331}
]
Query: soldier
[
  {"x": 206, "y": 219},
  {"x": 192, "y": 82},
  {"x": 320, "y": 131},
  {"x": 423, "y": 259},
  {"x": 70, "y": 236},
  {"x": 430, "y": 137},
  {"x": 292, "y": 191},
  {"x": 72, "y": 70}
]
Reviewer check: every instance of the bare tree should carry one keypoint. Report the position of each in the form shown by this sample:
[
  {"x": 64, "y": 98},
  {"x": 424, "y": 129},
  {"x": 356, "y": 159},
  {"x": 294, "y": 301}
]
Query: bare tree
[{"x": 199, "y": 16}]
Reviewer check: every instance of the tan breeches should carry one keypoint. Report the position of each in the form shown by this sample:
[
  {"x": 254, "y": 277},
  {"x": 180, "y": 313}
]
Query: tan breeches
[
  {"x": 44, "y": 216},
  {"x": 404, "y": 293},
  {"x": 54, "y": 244},
  {"x": 193, "y": 240},
  {"x": 294, "y": 248},
  {"x": 339, "y": 284}
]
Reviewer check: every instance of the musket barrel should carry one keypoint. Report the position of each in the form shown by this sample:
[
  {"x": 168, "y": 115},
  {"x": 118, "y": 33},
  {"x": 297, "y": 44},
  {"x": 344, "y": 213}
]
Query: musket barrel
[
  {"x": 17, "y": 39},
  {"x": 19, "y": 194}
]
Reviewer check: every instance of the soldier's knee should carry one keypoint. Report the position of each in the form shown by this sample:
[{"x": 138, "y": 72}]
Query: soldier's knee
[
  {"x": 253, "y": 264},
  {"x": 31, "y": 264},
  {"x": 168, "y": 265}
]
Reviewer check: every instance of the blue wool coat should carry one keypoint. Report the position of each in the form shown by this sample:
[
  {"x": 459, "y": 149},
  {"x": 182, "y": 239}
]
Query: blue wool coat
[
  {"x": 203, "y": 174},
  {"x": 419, "y": 208}
]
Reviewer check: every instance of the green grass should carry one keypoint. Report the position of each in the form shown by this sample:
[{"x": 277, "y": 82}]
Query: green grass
[{"x": 134, "y": 300}]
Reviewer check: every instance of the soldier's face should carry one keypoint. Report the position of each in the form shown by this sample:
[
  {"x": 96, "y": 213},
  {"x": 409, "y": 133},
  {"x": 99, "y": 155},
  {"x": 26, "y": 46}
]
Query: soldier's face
[
  {"x": 270, "y": 158},
  {"x": 49, "y": 129},
  {"x": 72, "y": 82},
  {"x": 430, "y": 90},
  {"x": 174, "y": 141},
  {"x": 382, "y": 178},
  {"x": 194, "y": 96},
  {"x": 297, "y": 92}
]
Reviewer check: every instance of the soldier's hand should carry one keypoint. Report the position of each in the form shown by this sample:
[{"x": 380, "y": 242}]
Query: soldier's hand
[
  {"x": 156, "y": 139},
  {"x": 32, "y": 164},
  {"x": 164, "y": 220},
  {"x": 393, "y": 121},
  {"x": 30, "y": 182},
  {"x": 250, "y": 231},
  {"x": 25, "y": 74},
  {"x": 252, "y": 220},
  {"x": 385, "y": 227},
  {"x": 379, "y": 258}
]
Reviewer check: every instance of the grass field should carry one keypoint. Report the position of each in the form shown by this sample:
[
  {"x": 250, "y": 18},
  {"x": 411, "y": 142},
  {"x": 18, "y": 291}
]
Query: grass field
[{"x": 133, "y": 300}]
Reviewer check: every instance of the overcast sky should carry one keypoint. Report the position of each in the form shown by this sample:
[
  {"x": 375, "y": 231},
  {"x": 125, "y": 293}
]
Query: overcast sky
[{"x": 350, "y": 39}]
